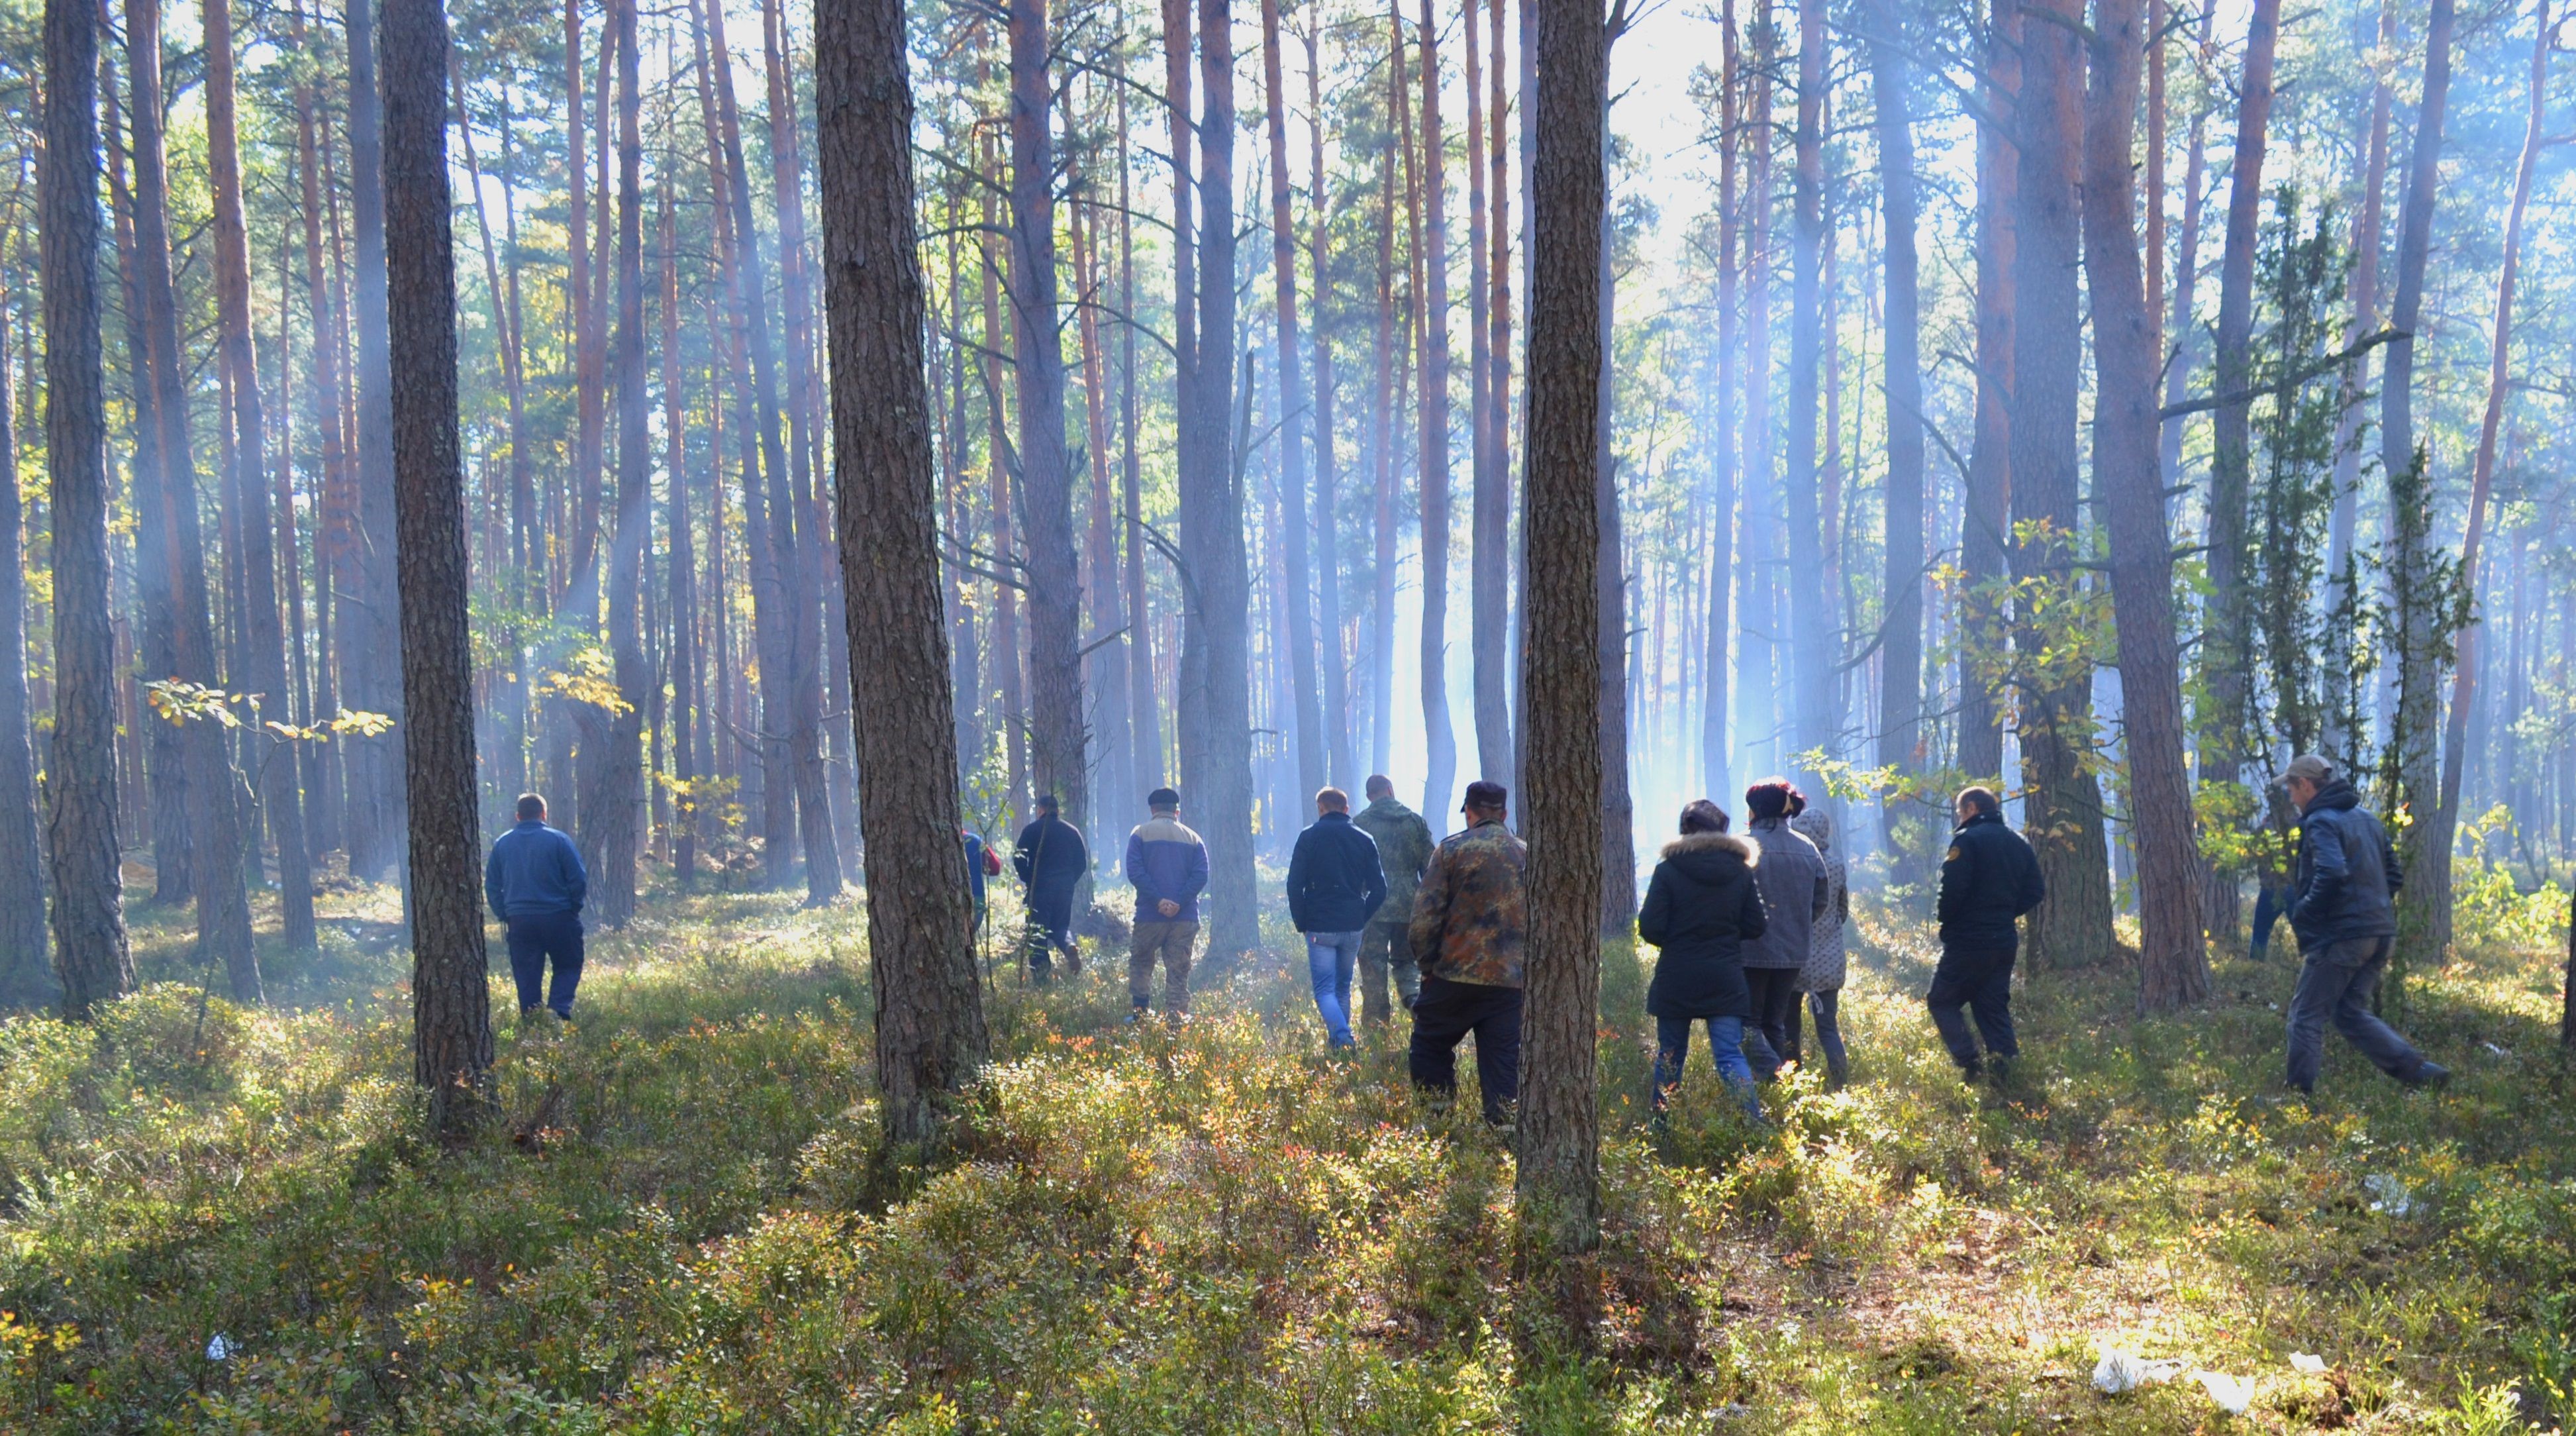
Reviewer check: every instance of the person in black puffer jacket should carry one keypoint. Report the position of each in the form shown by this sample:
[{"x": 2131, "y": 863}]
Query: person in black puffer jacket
[{"x": 1702, "y": 905}]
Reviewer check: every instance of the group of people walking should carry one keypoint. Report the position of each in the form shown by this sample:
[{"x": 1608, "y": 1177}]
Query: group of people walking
[{"x": 1750, "y": 930}]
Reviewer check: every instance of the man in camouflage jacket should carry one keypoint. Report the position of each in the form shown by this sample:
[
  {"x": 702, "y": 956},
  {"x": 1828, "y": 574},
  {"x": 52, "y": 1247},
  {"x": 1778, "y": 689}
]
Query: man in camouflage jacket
[
  {"x": 1386, "y": 947},
  {"x": 1470, "y": 927}
]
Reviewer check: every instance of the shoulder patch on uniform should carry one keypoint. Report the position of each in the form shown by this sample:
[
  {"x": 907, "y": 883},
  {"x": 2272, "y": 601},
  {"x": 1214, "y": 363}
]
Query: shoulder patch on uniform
[{"x": 1954, "y": 852}]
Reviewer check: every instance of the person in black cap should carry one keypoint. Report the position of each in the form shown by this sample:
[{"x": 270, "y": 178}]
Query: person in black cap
[
  {"x": 1168, "y": 866},
  {"x": 1989, "y": 882},
  {"x": 1469, "y": 932},
  {"x": 1051, "y": 860}
]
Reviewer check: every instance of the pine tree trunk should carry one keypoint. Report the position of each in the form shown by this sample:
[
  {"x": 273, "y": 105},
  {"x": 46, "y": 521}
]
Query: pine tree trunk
[
  {"x": 1816, "y": 655},
  {"x": 1339, "y": 764},
  {"x": 214, "y": 817},
  {"x": 1558, "y": 1180},
  {"x": 685, "y": 768},
  {"x": 1618, "y": 912},
  {"x": 1489, "y": 525},
  {"x": 1432, "y": 255},
  {"x": 2368, "y": 220},
  {"x": 2180, "y": 328},
  {"x": 1212, "y": 516},
  {"x": 1382, "y": 430},
  {"x": 1716, "y": 663},
  {"x": 2468, "y": 639},
  {"x": 2062, "y": 803},
  {"x": 1493, "y": 514},
  {"x": 2410, "y": 759},
  {"x": 1758, "y": 664},
  {"x": 26, "y": 980},
  {"x": 265, "y": 639},
  {"x": 85, "y": 865},
  {"x": 611, "y": 740},
  {"x": 1046, "y": 470},
  {"x": 1189, "y": 703},
  {"x": 1107, "y": 676},
  {"x": 1293, "y": 415},
  {"x": 2174, "y": 971},
  {"x": 1984, "y": 528},
  {"x": 930, "y": 1021},
  {"x": 2227, "y": 640},
  {"x": 451, "y": 1016},
  {"x": 329, "y": 538},
  {"x": 370, "y": 623},
  {"x": 1901, "y": 631},
  {"x": 1144, "y": 698}
]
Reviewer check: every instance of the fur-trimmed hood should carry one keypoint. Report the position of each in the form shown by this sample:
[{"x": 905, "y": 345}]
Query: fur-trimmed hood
[{"x": 1744, "y": 852}]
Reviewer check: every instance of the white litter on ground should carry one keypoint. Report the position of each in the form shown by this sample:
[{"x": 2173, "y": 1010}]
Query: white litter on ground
[
  {"x": 2302, "y": 1361},
  {"x": 2231, "y": 1393},
  {"x": 2391, "y": 1195},
  {"x": 2121, "y": 1371}
]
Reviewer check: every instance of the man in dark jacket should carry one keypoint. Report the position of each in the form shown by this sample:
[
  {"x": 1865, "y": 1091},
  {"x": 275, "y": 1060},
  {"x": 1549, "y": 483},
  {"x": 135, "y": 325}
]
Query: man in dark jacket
[
  {"x": 1403, "y": 850},
  {"x": 1168, "y": 866},
  {"x": 535, "y": 883},
  {"x": 1989, "y": 882},
  {"x": 1334, "y": 888},
  {"x": 1051, "y": 861},
  {"x": 1470, "y": 932},
  {"x": 2343, "y": 908}
]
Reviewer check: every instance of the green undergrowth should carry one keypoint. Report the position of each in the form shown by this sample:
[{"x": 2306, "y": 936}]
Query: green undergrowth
[{"x": 675, "y": 1221}]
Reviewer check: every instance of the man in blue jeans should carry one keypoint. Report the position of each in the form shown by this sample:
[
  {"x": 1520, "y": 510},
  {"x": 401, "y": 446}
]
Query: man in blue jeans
[
  {"x": 535, "y": 883},
  {"x": 1334, "y": 884}
]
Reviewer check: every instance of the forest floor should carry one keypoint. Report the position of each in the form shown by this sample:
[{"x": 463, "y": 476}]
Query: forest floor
[{"x": 220, "y": 1219}]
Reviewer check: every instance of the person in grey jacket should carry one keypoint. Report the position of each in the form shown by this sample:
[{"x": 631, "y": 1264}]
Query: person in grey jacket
[
  {"x": 2343, "y": 908},
  {"x": 1827, "y": 959},
  {"x": 1791, "y": 875}
]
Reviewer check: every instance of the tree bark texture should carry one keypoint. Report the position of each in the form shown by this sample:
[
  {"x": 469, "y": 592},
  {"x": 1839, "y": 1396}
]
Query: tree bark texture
[
  {"x": 1339, "y": 763},
  {"x": 371, "y": 678},
  {"x": 215, "y": 841},
  {"x": 1212, "y": 527},
  {"x": 1901, "y": 630},
  {"x": 1558, "y": 1181},
  {"x": 25, "y": 979},
  {"x": 2174, "y": 972},
  {"x": 2227, "y": 637},
  {"x": 450, "y": 992},
  {"x": 1046, "y": 471},
  {"x": 2062, "y": 802},
  {"x": 1441, "y": 742},
  {"x": 1294, "y": 416},
  {"x": 85, "y": 867},
  {"x": 929, "y": 1014},
  {"x": 1815, "y": 658},
  {"x": 2423, "y": 917},
  {"x": 281, "y": 795},
  {"x": 1984, "y": 529},
  {"x": 2464, "y": 689},
  {"x": 1715, "y": 662}
]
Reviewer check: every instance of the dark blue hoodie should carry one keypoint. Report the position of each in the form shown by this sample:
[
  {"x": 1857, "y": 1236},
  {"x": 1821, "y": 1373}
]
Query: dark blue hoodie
[{"x": 1334, "y": 881}]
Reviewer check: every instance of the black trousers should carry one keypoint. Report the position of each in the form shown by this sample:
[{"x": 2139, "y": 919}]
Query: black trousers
[
  {"x": 1980, "y": 981},
  {"x": 1443, "y": 1016},
  {"x": 535, "y": 940},
  {"x": 1774, "y": 1019}
]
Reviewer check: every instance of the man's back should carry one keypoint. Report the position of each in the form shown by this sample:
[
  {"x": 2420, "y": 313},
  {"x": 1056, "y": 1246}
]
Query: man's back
[
  {"x": 1989, "y": 880},
  {"x": 1166, "y": 862},
  {"x": 1403, "y": 850},
  {"x": 2347, "y": 875},
  {"x": 1335, "y": 879},
  {"x": 534, "y": 870},
  {"x": 1471, "y": 919}
]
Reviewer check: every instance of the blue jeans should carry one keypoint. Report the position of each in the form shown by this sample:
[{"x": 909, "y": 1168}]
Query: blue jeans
[
  {"x": 535, "y": 939},
  {"x": 2270, "y": 906},
  {"x": 1331, "y": 957},
  {"x": 2335, "y": 983},
  {"x": 1726, "y": 1046}
]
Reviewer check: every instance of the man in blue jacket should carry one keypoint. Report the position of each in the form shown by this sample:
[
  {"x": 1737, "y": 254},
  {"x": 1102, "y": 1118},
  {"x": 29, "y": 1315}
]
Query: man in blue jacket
[
  {"x": 2343, "y": 907},
  {"x": 1169, "y": 867},
  {"x": 1334, "y": 885},
  {"x": 535, "y": 884}
]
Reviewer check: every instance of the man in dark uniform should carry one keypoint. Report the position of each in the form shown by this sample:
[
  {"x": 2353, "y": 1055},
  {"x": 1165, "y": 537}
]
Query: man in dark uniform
[
  {"x": 1989, "y": 883},
  {"x": 1051, "y": 860}
]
